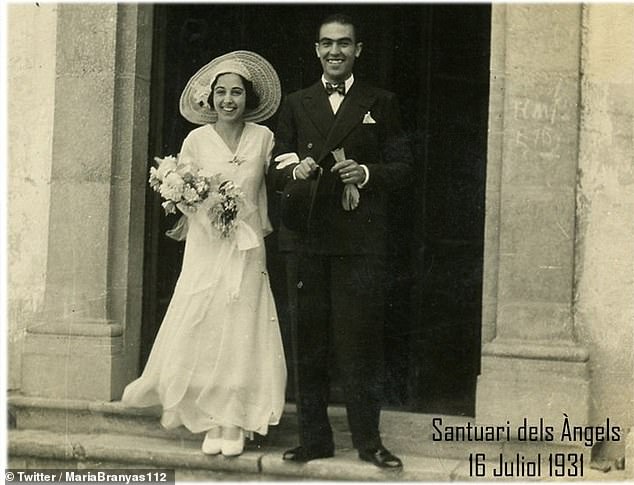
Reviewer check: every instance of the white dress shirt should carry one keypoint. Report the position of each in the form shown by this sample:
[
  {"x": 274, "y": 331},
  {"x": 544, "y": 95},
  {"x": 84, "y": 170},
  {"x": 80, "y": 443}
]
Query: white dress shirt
[{"x": 337, "y": 98}]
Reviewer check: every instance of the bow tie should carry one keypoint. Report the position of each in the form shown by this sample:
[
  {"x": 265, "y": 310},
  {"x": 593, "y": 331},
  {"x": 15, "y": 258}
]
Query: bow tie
[{"x": 331, "y": 88}]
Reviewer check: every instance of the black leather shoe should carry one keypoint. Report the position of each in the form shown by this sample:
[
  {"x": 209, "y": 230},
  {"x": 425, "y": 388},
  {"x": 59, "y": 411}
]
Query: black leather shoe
[
  {"x": 302, "y": 454},
  {"x": 381, "y": 457}
]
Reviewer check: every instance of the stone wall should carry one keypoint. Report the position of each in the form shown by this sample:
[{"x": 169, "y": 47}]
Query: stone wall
[
  {"x": 31, "y": 98},
  {"x": 604, "y": 309},
  {"x": 532, "y": 366},
  {"x": 84, "y": 342}
]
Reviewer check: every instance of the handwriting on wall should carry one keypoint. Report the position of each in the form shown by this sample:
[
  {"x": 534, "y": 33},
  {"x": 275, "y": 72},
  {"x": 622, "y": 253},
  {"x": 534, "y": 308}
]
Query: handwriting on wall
[
  {"x": 542, "y": 141},
  {"x": 540, "y": 122}
]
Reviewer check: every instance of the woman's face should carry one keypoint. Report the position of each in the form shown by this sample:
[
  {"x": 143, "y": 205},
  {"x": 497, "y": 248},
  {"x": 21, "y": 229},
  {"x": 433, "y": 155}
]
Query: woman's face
[{"x": 229, "y": 97}]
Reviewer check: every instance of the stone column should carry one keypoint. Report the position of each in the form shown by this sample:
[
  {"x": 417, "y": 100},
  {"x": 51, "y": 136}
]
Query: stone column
[
  {"x": 532, "y": 365},
  {"x": 84, "y": 345}
]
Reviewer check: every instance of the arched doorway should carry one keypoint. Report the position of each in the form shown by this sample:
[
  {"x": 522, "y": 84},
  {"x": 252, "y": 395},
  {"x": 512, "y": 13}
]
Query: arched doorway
[{"x": 436, "y": 58}]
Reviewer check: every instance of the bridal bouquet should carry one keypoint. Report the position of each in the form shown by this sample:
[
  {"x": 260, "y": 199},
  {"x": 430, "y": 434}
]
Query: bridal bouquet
[{"x": 184, "y": 185}]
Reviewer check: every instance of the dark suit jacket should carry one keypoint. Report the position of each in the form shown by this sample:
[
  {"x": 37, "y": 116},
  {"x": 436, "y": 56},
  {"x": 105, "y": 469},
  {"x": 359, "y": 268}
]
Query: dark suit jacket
[{"x": 308, "y": 127}]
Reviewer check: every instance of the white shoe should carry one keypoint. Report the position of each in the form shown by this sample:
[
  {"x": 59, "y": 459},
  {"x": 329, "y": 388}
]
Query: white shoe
[
  {"x": 212, "y": 445},
  {"x": 232, "y": 447}
]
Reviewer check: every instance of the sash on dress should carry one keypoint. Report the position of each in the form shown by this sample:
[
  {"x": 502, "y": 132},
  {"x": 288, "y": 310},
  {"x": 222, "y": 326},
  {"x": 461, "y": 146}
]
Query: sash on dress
[{"x": 231, "y": 252}]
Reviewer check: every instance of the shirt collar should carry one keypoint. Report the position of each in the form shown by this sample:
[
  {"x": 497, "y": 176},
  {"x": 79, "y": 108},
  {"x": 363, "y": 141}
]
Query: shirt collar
[{"x": 348, "y": 83}]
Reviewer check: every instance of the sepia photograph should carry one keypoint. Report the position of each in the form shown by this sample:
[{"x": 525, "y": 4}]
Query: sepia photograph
[{"x": 319, "y": 241}]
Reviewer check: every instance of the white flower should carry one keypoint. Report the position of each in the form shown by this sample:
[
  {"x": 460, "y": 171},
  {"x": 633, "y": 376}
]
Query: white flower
[
  {"x": 201, "y": 97},
  {"x": 187, "y": 170},
  {"x": 165, "y": 166},
  {"x": 201, "y": 185},
  {"x": 190, "y": 195},
  {"x": 154, "y": 180},
  {"x": 172, "y": 187}
]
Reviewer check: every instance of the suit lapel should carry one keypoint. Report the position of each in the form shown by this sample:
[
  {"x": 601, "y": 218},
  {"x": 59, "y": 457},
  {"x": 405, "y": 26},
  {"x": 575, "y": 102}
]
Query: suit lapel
[
  {"x": 315, "y": 102},
  {"x": 356, "y": 103}
]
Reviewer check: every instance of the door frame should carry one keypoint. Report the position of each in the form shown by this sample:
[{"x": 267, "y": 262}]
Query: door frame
[{"x": 153, "y": 232}]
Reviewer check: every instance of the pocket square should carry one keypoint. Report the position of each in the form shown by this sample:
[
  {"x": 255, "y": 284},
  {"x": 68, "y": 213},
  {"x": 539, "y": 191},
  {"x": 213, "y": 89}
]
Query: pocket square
[{"x": 368, "y": 120}]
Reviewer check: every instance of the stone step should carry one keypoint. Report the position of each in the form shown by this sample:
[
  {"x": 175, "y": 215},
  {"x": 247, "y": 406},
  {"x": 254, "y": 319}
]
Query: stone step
[
  {"x": 403, "y": 433},
  {"x": 33, "y": 449},
  {"x": 37, "y": 449},
  {"x": 82, "y": 434},
  {"x": 112, "y": 417}
]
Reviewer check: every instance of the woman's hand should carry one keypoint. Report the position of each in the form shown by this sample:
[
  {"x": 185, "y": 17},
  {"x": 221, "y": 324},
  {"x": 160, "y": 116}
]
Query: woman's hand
[{"x": 185, "y": 209}]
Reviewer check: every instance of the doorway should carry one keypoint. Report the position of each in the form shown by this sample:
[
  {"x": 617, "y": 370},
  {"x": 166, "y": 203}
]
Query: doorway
[{"x": 436, "y": 59}]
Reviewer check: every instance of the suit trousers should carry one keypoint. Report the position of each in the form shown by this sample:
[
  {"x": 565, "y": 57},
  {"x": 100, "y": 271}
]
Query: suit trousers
[{"x": 340, "y": 315}]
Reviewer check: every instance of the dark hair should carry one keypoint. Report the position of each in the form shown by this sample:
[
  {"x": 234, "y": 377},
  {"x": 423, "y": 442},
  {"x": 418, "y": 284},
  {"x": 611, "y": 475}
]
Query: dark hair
[
  {"x": 253, "y": 100},
  {"x": 343, "y": 19}
]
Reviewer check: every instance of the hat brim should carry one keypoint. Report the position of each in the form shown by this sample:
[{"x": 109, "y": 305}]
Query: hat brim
[{"x": 266, "y": 84}]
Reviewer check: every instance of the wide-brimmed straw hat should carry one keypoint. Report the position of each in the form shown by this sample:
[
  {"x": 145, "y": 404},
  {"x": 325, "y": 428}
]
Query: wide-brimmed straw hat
[{"x": 251, "y": 66}]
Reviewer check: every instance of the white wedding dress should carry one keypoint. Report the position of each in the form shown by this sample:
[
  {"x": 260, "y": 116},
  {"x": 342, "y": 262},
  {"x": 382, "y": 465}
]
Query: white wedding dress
[{"x": 218, "y": 356}]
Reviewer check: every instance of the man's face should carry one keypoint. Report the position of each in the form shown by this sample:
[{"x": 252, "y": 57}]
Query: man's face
[{"x": 337, "y": 49}]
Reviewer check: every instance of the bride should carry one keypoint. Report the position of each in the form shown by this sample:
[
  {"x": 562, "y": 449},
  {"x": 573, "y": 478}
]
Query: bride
[{"x": 217, "y": 364}]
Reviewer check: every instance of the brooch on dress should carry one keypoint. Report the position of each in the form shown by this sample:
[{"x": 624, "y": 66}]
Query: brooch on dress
[{"x": 237, "y": 161}]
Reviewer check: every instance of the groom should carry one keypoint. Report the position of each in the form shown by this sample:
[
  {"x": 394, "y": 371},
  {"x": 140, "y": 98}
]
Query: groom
[{"x": 340, "y": 255}]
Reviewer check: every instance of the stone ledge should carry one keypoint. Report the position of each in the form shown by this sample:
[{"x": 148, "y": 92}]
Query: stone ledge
[
  {"x": 17, "y": 400},
  {"x": 345, "y": 465},
  {"x": 402, "y": 432},
  {"x": 86, "y": 328},
  {"x": 116, "y": 407},
  {"x": 133, "y": 450},
  {"x": 45, "y": 449},
  {"x": 539, "y": 350},
  {"x": 185, "y": 455},
  {"x": 406, "y": 434},
  {"x": 112, "y": 407}
]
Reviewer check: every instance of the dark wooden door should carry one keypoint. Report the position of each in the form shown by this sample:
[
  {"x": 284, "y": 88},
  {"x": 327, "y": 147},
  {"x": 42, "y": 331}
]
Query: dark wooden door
[{"x": 436, "y": 58}]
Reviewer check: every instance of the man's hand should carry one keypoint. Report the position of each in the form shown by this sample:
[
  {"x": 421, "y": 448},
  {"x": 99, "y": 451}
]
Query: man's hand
[
  {"x": 349, "y": 171},
  {"x": 305, "y": 168}
]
